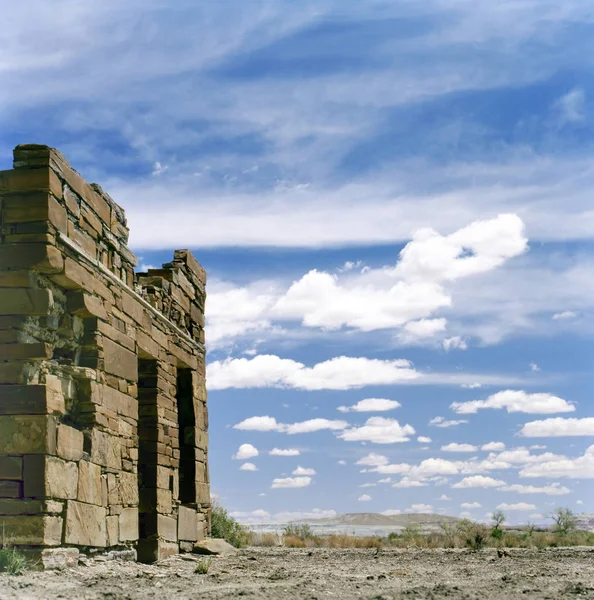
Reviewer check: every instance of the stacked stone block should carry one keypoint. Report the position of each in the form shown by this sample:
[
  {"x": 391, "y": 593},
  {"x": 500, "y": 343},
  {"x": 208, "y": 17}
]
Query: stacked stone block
[{"x": 102, "y": 374}]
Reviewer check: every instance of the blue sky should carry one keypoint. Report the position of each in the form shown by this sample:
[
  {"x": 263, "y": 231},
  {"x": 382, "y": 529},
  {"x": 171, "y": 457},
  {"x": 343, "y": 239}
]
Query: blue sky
[{"x": 393, "y": 201}]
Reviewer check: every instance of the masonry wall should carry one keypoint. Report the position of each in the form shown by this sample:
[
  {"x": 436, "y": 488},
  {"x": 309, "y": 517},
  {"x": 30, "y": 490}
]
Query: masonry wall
[{"x": 103, "y": 416}]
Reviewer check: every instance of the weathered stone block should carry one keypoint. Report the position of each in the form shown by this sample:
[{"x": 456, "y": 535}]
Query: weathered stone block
[
  {"x": 33, "y": 207},
  {"x": 38, "y": 257},
  {"x": 113, "y": 530},
  {"x": 57, "y": 559},
  {"x": 187, "y": 528},
  {"x": 105, "y": 449},
  {"x": 202, "y": 493},
  {"x": 119, "y": 361},
  {"x": 129, "y": 525},
  {"x": 31, "y": 180},
  {"x": 86, "y": 306},
  {"x": 15, "y": 372},
  {"x": 154, "y": 550},
  {"x": 32, "y": 530},
  {"x": 90, "y": 488},
  {"x": 34, "y": 351},
  {"x": 11, "y": 467},
  {"x": 167, "y": 528},
  {"x": 50, "y": 477},
  {"x": 30, "y": 400},
  {"x": 129, "y": 488},
  {"x": 18, "y": 279},
  {"x": 86, "y": 525},
  {"x": 24, "y": 434},
  {"x": 11, "y": 489},
  {"x": 70, "y": 443},
  {"x": 21, "y": 507},
  {"x": 157, "y": 500}
]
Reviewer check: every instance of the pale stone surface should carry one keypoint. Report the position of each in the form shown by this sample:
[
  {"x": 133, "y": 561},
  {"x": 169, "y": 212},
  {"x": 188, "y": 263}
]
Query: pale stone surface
[
  {"x": 120, "y": 361},
  {"x": 167, "y": 528},
  {"x": 214, "y": 546},
  {"x": 113, "y": 530},
  {"x": 32, "y": 530},
  {"x": 129, "y": 525},
  {"x": 105, "y": 449},
  {"x": 18, "y": 301},
  {"x": 56, "y": 559},
  {"x": 70, "y": 443},
  {"x": 129, "y": 489},
  {"x": 27, "y": 434},
  {"x": 85, "y": 525},
  {"x": 90, "y": 489},
  {"x": 187, "y": 524},
  {"x": 61, "y": 478}
]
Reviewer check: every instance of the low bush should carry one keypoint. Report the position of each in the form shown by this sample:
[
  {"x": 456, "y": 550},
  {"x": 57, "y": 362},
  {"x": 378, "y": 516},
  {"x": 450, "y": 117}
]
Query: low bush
[
  {"x": 203, "y": 565},
  {"x": 12, "y": 561},
  {"x": 226, "y": 527},
  {"x": 264, "y": 539}
]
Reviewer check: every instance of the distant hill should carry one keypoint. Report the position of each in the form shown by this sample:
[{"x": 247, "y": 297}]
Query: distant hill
[
  {"x": 379, "y": 520},
  {"x": 585, "y": 521}
]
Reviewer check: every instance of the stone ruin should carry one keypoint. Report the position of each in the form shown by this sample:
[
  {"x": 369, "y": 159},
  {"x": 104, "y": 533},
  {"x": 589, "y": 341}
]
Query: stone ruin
[{"x": 103, "y": 416}]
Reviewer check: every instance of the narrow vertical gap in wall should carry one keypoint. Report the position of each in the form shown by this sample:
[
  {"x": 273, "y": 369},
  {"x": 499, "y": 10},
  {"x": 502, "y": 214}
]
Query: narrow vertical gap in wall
[
  {"x": 187, "y": 433},
  {"x": 148, "y": 435}
]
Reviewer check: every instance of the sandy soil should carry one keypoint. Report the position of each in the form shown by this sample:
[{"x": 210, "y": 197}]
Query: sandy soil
[{"x": 283, "y": 574}]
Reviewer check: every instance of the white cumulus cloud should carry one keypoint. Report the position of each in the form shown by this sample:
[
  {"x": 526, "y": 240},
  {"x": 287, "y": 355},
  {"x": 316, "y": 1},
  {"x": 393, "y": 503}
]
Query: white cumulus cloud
[
  {"x": 455, "y": 447},
  {"x": 258, "y": 424},
  {"x": 516, "y": 401},
  {"x": 559, "y": 427},
  {"x": 340, "y": 373},
  {"x": 470, "y": 505},
  {"x": 291, "y": 482},
  {"x": 442, "y": 422},
  {"x": 478, "y": 481},
  {"x": 364, "y": 498},
  {"x": 516, "y": 506},
  {"x": 581, "y": 467},
  {"x": 284, "y": 452},
  {"x": 246, "y": 451},
  {"x": 378, "y": 430},
  {"x": 373, "y": 460},
  {"x": 455, "y": 343},
  {"x": 248, "y": 466},
  {"x": 493, "y": 446},
  {"x": 555, "y": 489},
  {"x": 423, "y": 439},
  {"x": 304, "y": 471},
  {"x": 371, "y": 405}
]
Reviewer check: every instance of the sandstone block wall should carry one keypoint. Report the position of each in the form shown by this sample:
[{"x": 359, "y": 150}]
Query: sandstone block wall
[{"x": 103, "y": 416}]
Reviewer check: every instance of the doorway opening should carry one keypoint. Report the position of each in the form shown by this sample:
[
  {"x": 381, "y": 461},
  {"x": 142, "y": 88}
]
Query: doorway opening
[{"x": 187, "y": 432}]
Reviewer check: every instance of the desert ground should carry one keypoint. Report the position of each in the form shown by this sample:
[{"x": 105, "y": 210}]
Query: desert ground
[{"x": 296, "y": 573}]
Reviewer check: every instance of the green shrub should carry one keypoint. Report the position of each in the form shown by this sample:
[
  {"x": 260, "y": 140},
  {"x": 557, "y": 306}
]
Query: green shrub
[
  {"x": 476, "y": 536},
  {"x": 303, "y": 532},
  {"x": 12, "y": 561},
  {"x": 203, "y": 566},
  {"x": 565, "y": 521},
  {"x": 226, "y": 527}
]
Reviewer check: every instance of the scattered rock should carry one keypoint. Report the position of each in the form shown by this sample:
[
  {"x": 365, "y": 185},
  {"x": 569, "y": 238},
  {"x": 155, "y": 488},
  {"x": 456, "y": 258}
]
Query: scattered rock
[{"x": 214, "y": 546}]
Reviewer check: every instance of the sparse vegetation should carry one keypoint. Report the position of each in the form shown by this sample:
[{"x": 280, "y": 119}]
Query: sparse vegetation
[
  {"x": 203, "y": 566},
  {"x": 565, "y": 521},
  {"x": 226, "y": 527},
  {"x": 12, "y": 561},
  {"x": 498, "y": 518},
  {"x": 303, "y": 532},
  {"x": 462, "y": 534}
]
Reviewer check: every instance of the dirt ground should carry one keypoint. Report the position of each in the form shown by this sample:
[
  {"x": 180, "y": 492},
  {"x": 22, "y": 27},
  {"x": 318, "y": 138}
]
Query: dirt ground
[{"x": 284, "y": 573}]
